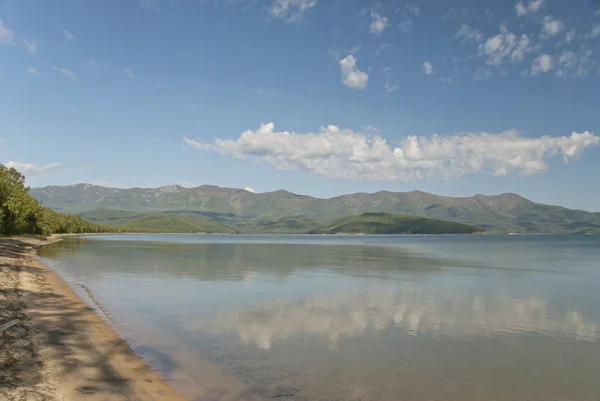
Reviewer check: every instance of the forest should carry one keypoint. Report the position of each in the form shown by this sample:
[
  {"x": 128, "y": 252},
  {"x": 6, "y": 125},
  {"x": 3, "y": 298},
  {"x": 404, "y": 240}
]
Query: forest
[{"x": 21, "y": 214}]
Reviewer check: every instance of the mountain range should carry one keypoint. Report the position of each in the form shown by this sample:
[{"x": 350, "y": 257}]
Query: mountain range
[{"x": 239, "y": 208}]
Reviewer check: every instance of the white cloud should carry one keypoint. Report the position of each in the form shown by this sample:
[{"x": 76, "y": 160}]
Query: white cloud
[
  {"x": 90, "y": 63},
  {"x": 379, "y": 23},
  {"x": 291, "y": 10},
  {"x": 6, "y": 35},
  {"x": 31, "y": 46},
  {"x": 595, "y": 32},
  {"x": 551, "y": 26},
  {"x": 249, "y": 190},
  {"x": 524, "y": 9},
  {"x": 150, "y": 5},
  {"x": 34, "y": 71},
  {"x": 506, "y": 46},
  {"x": 466, "y": 34},
  {"x": 346, "y": 154},
  {"x": 68, "y": 35},
  {"x": 572, "y": 64},
  {"x": 428, "y": 68},
  {"x": 32, "y": 171},
  {"x": 67, "y": 73},
  {"x": 542, "y": 64},
  {"x": 129, "y": 73},
  {"x": 351, "y": 75}
]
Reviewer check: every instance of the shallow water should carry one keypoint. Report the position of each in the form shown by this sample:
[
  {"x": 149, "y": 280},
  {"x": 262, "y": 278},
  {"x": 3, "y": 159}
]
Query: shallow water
[{"x": 354, "y": 317}]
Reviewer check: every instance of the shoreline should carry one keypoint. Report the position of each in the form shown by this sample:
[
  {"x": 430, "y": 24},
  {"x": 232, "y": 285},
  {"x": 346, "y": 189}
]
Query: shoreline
[{"x": 61, "y": 349}]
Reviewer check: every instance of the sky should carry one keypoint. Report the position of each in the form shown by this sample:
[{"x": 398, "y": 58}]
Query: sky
[{"x": 318, "y": 97}]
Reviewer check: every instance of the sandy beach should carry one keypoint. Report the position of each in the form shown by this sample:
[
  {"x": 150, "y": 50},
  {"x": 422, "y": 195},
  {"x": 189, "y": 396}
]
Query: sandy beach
[{"x": 60, "y": 349}]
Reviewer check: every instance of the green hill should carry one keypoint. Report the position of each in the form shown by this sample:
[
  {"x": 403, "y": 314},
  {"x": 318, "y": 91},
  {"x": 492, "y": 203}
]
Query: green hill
[
  {"x": 20, "y": 213},
  {"x": 286, "y": 225},
  {"x": 166, "y": 222},
  {"x": 366, "y": 223},
  {"x": 386, "y": 223},
  {"x": 503, "y": 213}
]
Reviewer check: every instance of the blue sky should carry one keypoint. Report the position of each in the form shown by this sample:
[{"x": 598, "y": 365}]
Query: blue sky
[{"x": 313, "y": 96}]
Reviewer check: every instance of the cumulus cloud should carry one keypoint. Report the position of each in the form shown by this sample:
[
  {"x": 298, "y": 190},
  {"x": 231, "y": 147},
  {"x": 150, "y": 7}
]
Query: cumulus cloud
[
  {"x": 551, "y": 26},
  {"x": 30, "y": 46},
  {"x": 351, "y": 75},
  {"x": 291, "y": 10},
  {"x": 428, "y": 68},
  {"x": 32, "y": 171},
  {"x": 506, "y": 46},
  {"x": 129, "y": 73},
  {"x": 524, "y": 9},
  {"x": 6, "y": 35},
  {"x": 379, "y": 23},
  {"x": 345, "y": 154},
  {"x": 68, "y": 35},
  {"x": 542, "y": 64},
  {"x": 65, "y": 72}
]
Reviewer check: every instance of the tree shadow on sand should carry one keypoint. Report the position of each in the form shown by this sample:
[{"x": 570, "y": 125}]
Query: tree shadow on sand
[{"x": 58, "y": 327}]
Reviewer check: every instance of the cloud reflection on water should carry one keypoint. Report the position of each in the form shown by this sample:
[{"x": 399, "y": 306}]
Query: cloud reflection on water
[{"x": 415, "y": 311}]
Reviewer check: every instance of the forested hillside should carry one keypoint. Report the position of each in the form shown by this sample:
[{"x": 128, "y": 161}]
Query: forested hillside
[
  {"x": 387, "y": 223},
  {"x": 20, "y": 213},
  {"x": 283, "y": 211}
]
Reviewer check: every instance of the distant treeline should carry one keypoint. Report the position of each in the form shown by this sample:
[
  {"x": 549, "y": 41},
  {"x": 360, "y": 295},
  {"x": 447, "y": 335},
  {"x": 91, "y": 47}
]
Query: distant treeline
[{"x": 21, "y": 214}]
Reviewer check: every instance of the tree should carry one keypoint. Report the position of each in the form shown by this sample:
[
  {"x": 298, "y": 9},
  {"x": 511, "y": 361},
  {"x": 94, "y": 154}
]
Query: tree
[{"x": 20, "y": 213}]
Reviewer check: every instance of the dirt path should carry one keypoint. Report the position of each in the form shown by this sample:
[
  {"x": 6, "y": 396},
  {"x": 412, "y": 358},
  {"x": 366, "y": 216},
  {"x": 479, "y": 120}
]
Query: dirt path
[{"x": 60, "y": 349}]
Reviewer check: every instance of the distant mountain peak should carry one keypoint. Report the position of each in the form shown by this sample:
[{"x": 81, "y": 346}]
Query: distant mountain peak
[
  {"x": 165, "y": 189},
  {"x": 507, "y": 212}
]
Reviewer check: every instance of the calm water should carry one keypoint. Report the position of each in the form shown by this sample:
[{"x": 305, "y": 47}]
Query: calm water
[{"x": 354, "y": 317}]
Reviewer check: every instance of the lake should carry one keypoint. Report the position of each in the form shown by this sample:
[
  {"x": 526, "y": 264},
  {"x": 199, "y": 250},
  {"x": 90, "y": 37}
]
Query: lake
[{"x": 352, "y": 317}]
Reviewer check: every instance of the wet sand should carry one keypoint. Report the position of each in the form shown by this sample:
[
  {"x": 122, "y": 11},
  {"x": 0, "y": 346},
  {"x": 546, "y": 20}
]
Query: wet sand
[{"x": 60, "y": 349}]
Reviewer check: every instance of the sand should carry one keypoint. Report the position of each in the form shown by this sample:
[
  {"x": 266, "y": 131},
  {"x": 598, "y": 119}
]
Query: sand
[{"x": 61, "y": 349}]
